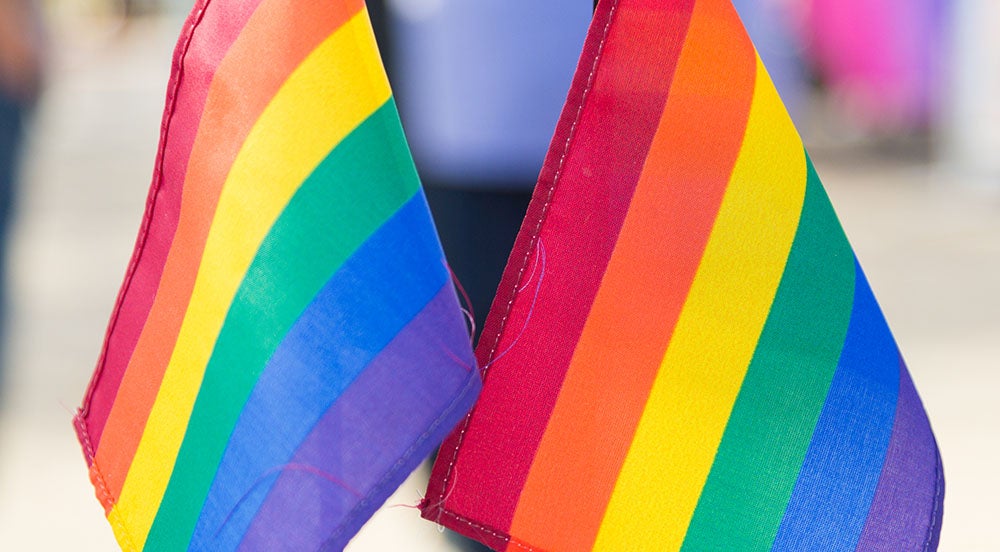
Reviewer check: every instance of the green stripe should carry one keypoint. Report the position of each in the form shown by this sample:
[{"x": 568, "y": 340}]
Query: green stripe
[
  {"x": 771, "y": 425},
  {"x": 358, "y": 186}
]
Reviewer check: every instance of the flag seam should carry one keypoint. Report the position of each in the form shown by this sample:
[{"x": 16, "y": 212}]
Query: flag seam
[
  {"x": 938, "y": 488},
  {"x": 491, "y": 531},
  {"x": 103, "y": 494},
  {"x": 151, "y": 203},
  {"x": 534, "y": 237}
]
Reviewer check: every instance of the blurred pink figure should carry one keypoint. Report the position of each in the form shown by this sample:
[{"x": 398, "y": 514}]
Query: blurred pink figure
[{"x": 883, "y": 57}]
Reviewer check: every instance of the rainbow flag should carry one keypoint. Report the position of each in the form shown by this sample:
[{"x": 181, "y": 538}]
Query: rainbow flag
[
  {"x": 684, "y": 353},
  {"x": 287, "y": 345}
]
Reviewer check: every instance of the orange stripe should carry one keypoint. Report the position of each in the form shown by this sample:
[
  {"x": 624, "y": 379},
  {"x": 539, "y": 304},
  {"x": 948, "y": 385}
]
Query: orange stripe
[
  {"x": 646, "y": 283},
  {"x": 248, "y": 77}
]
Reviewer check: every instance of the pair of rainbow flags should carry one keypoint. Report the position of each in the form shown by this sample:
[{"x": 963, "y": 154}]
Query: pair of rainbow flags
[{"x": 683, "y": 353}]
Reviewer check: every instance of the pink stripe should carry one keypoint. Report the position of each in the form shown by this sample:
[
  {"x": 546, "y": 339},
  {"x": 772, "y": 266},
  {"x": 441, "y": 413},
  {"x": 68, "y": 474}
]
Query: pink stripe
[
  {"x": 181, "y": 117},
  {"x": 589, "y": 175}
]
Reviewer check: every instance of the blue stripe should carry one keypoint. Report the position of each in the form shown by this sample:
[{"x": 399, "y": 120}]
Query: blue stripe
[
  {"x": 392, "y": 416},
  {"x": 362, "y": 307},
  {"x": 837, "y": 482}
]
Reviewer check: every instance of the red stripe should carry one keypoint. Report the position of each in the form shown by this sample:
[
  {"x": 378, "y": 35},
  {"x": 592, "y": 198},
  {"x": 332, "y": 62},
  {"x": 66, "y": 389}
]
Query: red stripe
[
  {"x": 610, "y": 117},
  {"x": 657, "y": 254},
  {"x": 258, "y": 72},
  {"x": 181, "y": 118}
]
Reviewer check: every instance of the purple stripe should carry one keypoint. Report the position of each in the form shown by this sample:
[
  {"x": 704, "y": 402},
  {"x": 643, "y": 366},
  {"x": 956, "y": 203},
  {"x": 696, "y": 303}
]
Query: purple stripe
[
  {"x": 906, "y": 513},
  {"x": 838, "y": 479},
  {"x": 384, "y": 424}
]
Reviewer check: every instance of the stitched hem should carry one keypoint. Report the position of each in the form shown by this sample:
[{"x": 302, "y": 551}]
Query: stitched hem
[
  {"x": 501, "y": 535},
  {"x": 934, "y": 529},
  {"x": 180, "y": 55},
  {"x": 108, "y": 501},
  {"x": 528, "y": 250},
  {"x": 100, "y": 486}
]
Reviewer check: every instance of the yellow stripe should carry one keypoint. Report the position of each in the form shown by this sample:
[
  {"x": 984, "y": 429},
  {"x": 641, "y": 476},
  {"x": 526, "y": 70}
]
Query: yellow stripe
[
  {"x": 704, "y": 365},
  {"x": 335, "y": 89}
]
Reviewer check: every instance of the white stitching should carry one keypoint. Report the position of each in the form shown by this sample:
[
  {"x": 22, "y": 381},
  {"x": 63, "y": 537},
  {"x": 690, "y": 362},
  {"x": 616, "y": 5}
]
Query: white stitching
[
  {"x": 151, "y": 202},
  {"x": 485, "y": 529},
  {"x": 80, "y": 418},
  {"x": 938, "y": 489},
  {"x": 527, "y": 256}
]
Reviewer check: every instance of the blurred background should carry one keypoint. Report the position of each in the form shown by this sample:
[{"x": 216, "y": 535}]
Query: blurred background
[{"x": 896, "y": 100}]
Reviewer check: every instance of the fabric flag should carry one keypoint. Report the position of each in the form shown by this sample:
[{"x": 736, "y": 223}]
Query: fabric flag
[
  {"x": 287, "y": 345},
  {"x": 770, "y": 24},
  {"x": 684, "y": 353}
]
